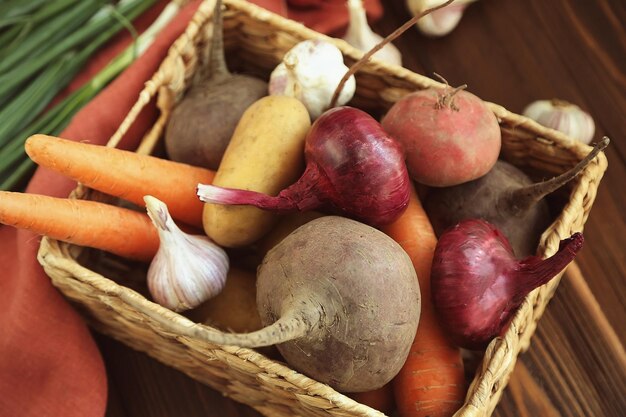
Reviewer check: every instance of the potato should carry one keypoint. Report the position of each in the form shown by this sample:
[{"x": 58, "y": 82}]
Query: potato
[
  {"x": 233, "y": 309},
  {"x": 265, "y": 154}
]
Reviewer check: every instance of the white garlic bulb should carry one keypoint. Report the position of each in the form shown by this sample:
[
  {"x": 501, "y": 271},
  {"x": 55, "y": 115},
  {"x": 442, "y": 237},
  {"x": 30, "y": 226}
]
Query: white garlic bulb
[
  {"x": 310, "y": 72},
  {"x": 440, "y": 22},
  {"x": 562, "y": 116},
  {"x": 187, "y": 269},
  {"x": 362, "y": 37}
]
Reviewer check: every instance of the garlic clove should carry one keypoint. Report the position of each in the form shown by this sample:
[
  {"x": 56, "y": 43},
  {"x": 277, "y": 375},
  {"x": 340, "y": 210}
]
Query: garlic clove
[
  {"x": 360, "y": 35},
  {"x": 440, "y": 22},
  {"x": 310, "y": 72},
  {"x": 563, "y": 116},
  {"x": 187, "y": 269}
]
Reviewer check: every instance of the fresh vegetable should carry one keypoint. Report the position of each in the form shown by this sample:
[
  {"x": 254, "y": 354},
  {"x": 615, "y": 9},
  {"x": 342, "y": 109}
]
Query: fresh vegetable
[
  {"x": 340, "y": 300},
  {"x": 450, "y": 135},
  {"x": 431, "y": 381},
  {"x": 564, "y": 117},
  {"x": 478, "y": 284},
  {"x": 233, "y": 309},
  {"x": 202, "y": 124},
  {"x": 121, "y": 231},
  {"x": 448, "y": 139},
  {"x": 353, "y": 167},
  {"x": 187, "y": 269},
  {"x": 310, "y": 72},
  {"x": 362, "y": 37},
  {"x": 264, "y": 155},
  {"x": 440, "y": 22},
  {"x": 124, "y": 174},
  {"x": 506, "y": 198}
]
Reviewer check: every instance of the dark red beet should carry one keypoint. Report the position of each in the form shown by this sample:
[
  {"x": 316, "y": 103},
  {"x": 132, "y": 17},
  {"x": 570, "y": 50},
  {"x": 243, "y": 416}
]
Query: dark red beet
[{"x": 506, "y": 198}]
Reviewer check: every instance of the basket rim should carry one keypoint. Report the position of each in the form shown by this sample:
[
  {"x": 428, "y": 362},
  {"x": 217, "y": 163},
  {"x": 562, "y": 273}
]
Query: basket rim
[{"x": 501, "y": 353}]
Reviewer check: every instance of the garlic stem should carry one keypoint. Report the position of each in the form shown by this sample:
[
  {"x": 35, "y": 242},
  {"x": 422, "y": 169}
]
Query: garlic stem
[
  {"x": 158, "y": 213},
  {"x": 357, "y": 26},
  {"x": 442, "y": 21},
  {"x": 360, "y": 35}
]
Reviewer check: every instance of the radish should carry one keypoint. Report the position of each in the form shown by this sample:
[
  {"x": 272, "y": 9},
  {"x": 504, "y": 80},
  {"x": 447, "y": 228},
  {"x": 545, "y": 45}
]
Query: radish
[{"x": 450, "y": 136}]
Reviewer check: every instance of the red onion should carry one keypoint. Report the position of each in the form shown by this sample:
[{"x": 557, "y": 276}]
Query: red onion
[
  {"x": 478, "y": 284},
  {"x": 353, "y": 167}
]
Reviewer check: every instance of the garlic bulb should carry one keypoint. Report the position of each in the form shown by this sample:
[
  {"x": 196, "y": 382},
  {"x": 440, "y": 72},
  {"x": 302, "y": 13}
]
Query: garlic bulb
[
  {"x": 361, "y": 36},
  {"x": 562, "y": 116},
  {"x": 187, "y": 269},
  {"x": 310, "y": 72},
  {"x": 440, "y": 22}
]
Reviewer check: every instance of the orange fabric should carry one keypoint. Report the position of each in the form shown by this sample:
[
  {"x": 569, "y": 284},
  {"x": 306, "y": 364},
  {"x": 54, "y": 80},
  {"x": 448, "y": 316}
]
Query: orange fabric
[{"x": 49, "y": 363}]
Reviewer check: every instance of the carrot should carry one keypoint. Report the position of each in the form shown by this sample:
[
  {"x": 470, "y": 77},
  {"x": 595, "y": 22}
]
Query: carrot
[
  {"x": 125, "y": 174},
  {"x": 121, "y": 231},
  {"x": 431, "y": 382},
  {"x": 380, "y": 399}
]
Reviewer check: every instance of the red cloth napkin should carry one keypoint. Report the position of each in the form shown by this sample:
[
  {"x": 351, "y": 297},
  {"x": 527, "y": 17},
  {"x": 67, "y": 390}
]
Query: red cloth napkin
[
  {"x": 328, "y": 16},
  {"x": 49, "y": 363}
]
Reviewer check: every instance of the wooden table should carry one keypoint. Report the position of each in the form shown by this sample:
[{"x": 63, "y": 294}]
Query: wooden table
[{"x": 510, "y": 52}]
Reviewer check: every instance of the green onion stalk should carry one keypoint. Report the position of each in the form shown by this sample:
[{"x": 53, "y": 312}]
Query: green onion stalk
[{"x": 15, "y": 166}]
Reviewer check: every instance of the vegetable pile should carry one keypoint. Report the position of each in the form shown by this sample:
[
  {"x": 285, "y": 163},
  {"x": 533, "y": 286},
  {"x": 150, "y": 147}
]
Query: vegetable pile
[{"x": 342, "y": 269}]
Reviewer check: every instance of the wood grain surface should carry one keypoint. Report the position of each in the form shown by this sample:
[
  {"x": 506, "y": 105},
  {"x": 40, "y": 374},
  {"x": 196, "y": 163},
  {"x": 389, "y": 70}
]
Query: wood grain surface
[{"x": 510, "y": 52}]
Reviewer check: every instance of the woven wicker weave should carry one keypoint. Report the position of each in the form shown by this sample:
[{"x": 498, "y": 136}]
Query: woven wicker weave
[{"x": 256, "y": 40}]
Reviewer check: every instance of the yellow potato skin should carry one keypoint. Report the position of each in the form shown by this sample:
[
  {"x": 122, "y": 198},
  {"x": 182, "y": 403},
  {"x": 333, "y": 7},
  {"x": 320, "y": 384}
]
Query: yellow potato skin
[
  {"x": 265, "y": 154},
  {"x": 233, "y": 309}
]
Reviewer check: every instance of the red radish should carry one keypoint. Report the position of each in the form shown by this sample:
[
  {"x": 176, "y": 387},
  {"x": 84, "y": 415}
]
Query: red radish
[
  {"x": 450, "y": 135},
  {"x": 478, "y": 284},
  {"x": 353, "y": 167}
]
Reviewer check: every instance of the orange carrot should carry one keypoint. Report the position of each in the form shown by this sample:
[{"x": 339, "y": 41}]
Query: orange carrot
[
  {"x": 431, "y": 382},
  {"x": 125, "y": 174},
  {"x": 121, "y": 231},
  {"x": 380, "y": 399}
]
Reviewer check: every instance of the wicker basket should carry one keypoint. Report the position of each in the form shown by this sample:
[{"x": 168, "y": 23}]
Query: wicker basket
[{"x": 256, "y": 41}]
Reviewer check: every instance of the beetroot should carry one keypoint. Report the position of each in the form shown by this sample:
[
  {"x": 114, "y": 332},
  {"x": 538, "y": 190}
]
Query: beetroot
[
  {"x": 341, "y": 302},
  {"x": 505, "y": 197},
  {"x": 202, "y": 124}
]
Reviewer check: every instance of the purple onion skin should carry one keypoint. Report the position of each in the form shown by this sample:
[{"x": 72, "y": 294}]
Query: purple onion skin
[
  {"x": 353, "y": 167},
  {"x": 478, "y": 284},
  {"x": 363, "y": 168}
]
